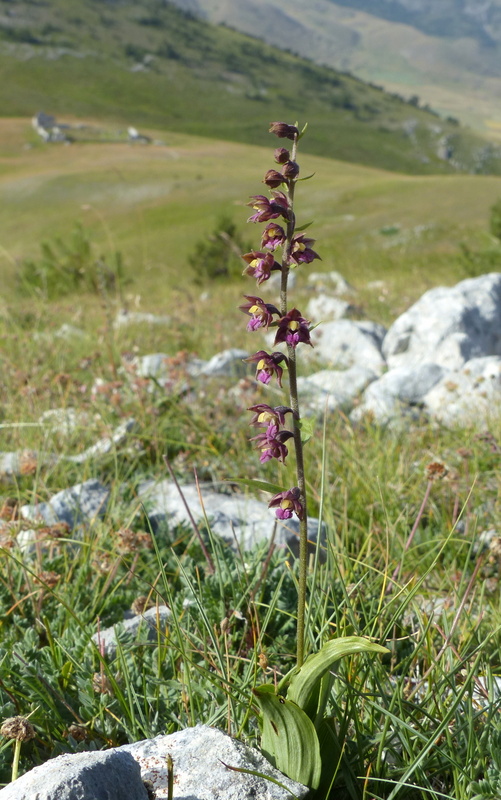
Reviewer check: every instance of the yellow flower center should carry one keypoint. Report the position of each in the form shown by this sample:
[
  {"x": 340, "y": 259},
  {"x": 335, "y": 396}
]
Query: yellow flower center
[
  {"x": 293, "y": 325},
  {"x": 299, "y": 246},
  {"x": 255, "y": 262},
  {"x": 266, "y": 416},
  {"x": 286, "y": 504},
  {"x": 254, "y": 309},
  {"x": 261, "y": 364}
]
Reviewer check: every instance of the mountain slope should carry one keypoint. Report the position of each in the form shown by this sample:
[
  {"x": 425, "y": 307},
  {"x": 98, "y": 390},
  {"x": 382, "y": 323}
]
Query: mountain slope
[
  {"x": 150, "y": 64},
  {"x": 446, "y": 51}
]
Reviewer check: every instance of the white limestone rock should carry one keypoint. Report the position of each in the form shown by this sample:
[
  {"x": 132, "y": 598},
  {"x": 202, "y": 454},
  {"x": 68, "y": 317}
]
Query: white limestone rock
[
  {"x": 323, "y": 307},
  {"x": 449, "y": 326},
  {"x": 233, "y": 517},
  {"x": 331, "y": 389},
  {"x": 469, "y": 397},
  {"x": 78, "y": 505},
  {"x": 229, "y": 363},
  {"x": 345, "y": 343},
  {"x": 144, "y": 627},
  {"x": 330, "y": 281},
  {"x": 397, "y": 392}
]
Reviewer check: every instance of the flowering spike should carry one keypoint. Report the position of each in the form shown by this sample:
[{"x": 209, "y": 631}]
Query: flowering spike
[
  {"x": 273, "y": 236},
  {"x": 301, "y": 251},
  {"x": 260, "y": 265},
  {"x": 272, "y": 443},
  {"x": 267, "y": 365},
  {"x": 261, "y": 313},
  {"x": 265, "y": 414},
  {"x": 269, "y": 209},
  {"x": 292, "y": 329}
]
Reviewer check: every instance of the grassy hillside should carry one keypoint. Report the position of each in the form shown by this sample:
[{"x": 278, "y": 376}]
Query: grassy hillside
[
  {"x": 453, "y": 66},
  {"x": 150, "y": 64}
]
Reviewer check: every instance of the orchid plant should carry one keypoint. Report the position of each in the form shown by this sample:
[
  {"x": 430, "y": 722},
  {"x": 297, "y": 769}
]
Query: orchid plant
[{"x": 293, "y": 716}]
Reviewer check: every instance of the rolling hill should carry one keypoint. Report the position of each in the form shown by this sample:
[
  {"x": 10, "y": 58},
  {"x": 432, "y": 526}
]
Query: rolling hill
[
  {"x": 447, "y": 52},
  {"x": 152, "y": 64}
]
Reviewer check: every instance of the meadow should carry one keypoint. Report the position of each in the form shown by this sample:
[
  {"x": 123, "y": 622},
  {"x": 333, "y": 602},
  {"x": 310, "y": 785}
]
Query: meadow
[{"x": 420, "y": 722}]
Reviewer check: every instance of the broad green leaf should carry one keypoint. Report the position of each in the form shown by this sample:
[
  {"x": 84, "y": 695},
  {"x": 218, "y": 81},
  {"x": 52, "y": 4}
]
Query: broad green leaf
[
  {"x": 289, "y": 738},
  {"x": 263, "y": 486},
  {"x": 303, "y": 227},
  {"x": 307, "y": 178},
  {"x": 305, "y": 684}
]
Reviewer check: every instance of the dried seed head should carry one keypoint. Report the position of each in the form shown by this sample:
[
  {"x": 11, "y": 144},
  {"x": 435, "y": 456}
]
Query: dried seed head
[
  {"x": 436, "y": 471},
  {"x": 141, "y": 604},
  {"x": 18, "y": 728},
  {"x": 77, "y": 732},
  {"x": 263, "y": 661},
  {"x": 49, "y": 578},
  {"x": 224, "y": 625},
  {"x": 101, "y": 683}
]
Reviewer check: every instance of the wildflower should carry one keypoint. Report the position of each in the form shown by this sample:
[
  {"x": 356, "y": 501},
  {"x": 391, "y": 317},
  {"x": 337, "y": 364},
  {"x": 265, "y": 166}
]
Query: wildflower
[
  {"x": 273, "y": 179},
  {"x": 287, "y": 503},
  {"x": 436, "y": 470},
  {"x": 272, "y": 444},
  {"x": 273, "y": 236},
  {"x": 260, "y": 265},
  {"x": 281, "y": 155},
  {"x": 283, "y": 131},
  {"x": 267, "y": 209},
  {"x": 301, "y": 251},
  {"x": 292, "y": 329},
  {"x": 261, "y": 313},
  {"x": 267, "y": 365},
  {"x": 265, "y": 414},
  {"x": 290, "y": 170}
]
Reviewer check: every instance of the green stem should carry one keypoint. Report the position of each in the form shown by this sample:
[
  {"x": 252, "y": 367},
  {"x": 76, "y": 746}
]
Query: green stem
[
  {"x": 15, "y": 760},
  {"x": 298, "y": 445}
]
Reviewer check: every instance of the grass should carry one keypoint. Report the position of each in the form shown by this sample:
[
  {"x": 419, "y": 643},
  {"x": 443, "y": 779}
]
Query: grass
[{"x": 422, "y": 722}]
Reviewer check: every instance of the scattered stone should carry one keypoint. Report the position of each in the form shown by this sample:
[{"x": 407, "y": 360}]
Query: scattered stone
[
  {"x": 330, "y": 281},
  {"x": 79, "y": 505},
  {"x": 468, "y": 397},
  {"x": 63, "y": 421},
  {"x": 323, "y": 307},
  {"x": 229, "y": 363},
  {"x": 397, "y": 392},
  {"x": 233, "y": 517},
  {"x": 112, "y": 774},
  {"x": 23, "y": 462},
  {"x": 149, "y": 624},
  {"x": 449, "y": 326},
  {"x": 106, "y": 445},
  {"x": 345, "y": 343}
]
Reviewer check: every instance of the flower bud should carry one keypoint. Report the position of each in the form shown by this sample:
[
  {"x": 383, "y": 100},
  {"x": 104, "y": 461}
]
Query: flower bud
[
  {"x": 281, "y": 155},
  {"x": 283, "y": 131},
  {"x": 273, "y": 179},
  {"x": 290, "y": 170}
]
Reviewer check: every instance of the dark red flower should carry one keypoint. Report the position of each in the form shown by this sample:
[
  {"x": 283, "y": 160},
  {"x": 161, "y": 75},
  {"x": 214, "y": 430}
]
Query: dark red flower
[
  {"x": 265, "y": 415},
  {"x": 261, "y": 313},
  {"x": 283, "y": 131},
  {"x": 301, "y": 251},
  {"x": 273, "y": 236},
  {"x": 266, "y": 209},
  {"x": 272, "y": 444},
  {"x": 260, "y": 265},
  {"x": 293, "y": 328},
  {"x": 287, "y": 503},
  {"x": 267, "y": 365}
]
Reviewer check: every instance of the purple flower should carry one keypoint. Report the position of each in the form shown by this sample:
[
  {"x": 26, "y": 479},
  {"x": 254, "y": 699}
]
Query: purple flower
[
  {"x": 261, "y": 313},
  {"x": 266, "y": 209},
  {"x": 265, "y": 414},
  {"x": 273, "y": 236},
  {"x": 260, "y": 265},
  {"x": 272, "y": 444},
  {"x": 301, "y": 251},
  {"x": 267, "y": 365},
  {"x": 273, "y": 179},
  {"x": 287, "y": 503},
  {"x": 293, "y": 328},
  {"x": 283, "y": 131}
]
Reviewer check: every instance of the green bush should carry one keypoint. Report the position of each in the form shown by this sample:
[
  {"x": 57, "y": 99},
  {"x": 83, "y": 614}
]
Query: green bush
[{"x": 218, "y": 255}]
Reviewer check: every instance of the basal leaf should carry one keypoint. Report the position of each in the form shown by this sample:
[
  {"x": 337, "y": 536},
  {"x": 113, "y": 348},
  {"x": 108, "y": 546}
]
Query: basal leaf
[
  {"x": 304, "y": 686},
  {"x": 289, "y": 739}
]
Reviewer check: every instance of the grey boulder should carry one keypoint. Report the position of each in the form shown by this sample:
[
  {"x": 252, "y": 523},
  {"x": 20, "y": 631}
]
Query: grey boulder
[
  {"x": 449, "y": 326},
  {"x": 113, "y": 774},
  {"x": 149, "y": 624},
  {"x": 469, "y": 397},
  {"x": 332, "y": 389},
  {"x": 80, "y": 504},
  {"x": 345, "y": 343}
]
